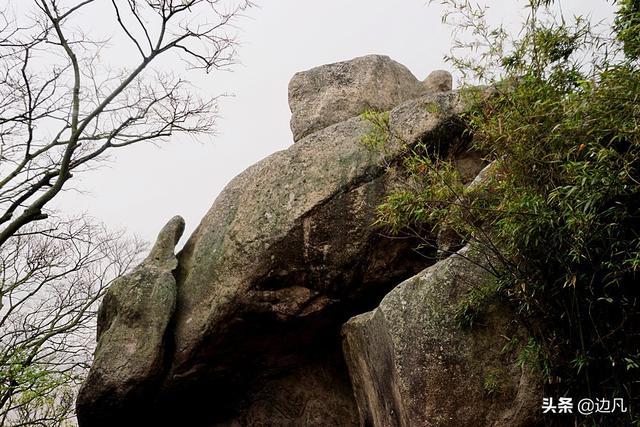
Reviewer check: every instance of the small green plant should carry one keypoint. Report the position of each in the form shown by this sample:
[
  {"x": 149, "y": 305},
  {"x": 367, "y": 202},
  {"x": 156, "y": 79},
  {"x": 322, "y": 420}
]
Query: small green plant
[
  {"x": 475, "y": 303},
  {"x": 433, "y": 108},
  {"x": 632, "y": 362},
  {"x": 491, "y": 383},
  {"x": 533, "y": 358},
  {"x": 580, "y": 363},
  {"x": 510, "y": 346},
  {"x": 378, "y": 137}
]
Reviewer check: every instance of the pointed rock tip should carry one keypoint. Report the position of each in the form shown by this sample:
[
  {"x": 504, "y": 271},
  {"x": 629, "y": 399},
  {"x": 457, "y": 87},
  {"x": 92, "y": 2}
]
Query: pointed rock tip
[{"x": 167, "y": 239}]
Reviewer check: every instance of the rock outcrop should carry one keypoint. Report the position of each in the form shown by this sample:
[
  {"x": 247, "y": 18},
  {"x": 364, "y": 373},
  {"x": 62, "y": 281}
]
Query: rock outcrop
[
  {"x": 412, "y": 364},
  {"x": 284, "y": 257},
  {"x": 438, "y": 81},
  {"x": 287, "y": 253},
  {"x": 333, "y": 93},
  {"x": 130, "y": 357}
]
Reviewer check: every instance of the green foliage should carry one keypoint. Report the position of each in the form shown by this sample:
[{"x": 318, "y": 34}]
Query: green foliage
[
  {"x": 475, "y": 303},
  {"x": 627, "y": 27},
  {"x": 533, "y": 357},
  {"x": 378, "y": 137},
  {"x": 39, "y": 390},
  {"x": 491, "y": 383},
  {"x": 434, "y": 186},
  {"x": 561, "y": 124}
]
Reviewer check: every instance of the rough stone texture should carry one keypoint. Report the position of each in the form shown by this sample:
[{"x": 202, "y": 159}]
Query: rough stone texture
[
  {"x": 292, "y": 400},
  {"x": 285, "y": 255},
  {"x": 411, "y": 364},
  {"x": 132, "y": 320},
  {"x": 332, "y": 93},
  {"x": 438, "y": 81}
]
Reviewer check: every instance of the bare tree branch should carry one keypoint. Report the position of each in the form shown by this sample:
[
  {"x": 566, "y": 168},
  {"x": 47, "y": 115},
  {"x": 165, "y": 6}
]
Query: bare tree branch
[
  {"x": 61, "y": 113},
  {"x": 95, "y": 115}
]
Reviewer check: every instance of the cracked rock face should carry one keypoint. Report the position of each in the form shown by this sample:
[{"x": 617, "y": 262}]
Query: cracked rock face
[{"x": 412, "y": 364}]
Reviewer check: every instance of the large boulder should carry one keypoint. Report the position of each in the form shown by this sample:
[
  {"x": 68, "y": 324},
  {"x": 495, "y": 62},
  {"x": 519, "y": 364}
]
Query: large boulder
[
  {"x": 412, "y": 363},
  {"x": 333, "y": 93},
  {"x": 438, "y": 81},
  {"x": 129, "y": 360},
  {"x": 285, "y": 255}
]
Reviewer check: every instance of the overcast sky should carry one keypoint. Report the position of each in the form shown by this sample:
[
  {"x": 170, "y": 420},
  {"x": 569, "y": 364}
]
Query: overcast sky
[{"x": 144, "y": 186}]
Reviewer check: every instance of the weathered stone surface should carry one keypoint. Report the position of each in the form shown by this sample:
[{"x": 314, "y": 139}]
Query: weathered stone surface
[
  {"x": 411, "y": 364},
  {"x": 285, "y": 255},
  {"x": 130, "y": 357},
  {"x": 332, "y": 93},
  {"x": 277, "y": 224},
  {"x": 292, "y": 400},
  {"x": 438, "y": 81}
]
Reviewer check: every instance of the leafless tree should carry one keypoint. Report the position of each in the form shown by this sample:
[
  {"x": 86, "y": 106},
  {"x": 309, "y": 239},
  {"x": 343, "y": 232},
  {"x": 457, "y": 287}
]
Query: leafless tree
[
  {"x": 62, "y": 111},
  {"x": 51, "y": 281}
]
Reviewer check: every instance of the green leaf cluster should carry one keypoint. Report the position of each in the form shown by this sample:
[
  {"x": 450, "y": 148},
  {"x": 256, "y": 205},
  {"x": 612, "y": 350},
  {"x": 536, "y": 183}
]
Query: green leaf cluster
[
  {"x": 378, "y": 137},
  {"x": 561, "y": 125}
]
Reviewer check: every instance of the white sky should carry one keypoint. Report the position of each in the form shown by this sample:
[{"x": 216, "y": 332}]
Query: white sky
[{"x": 144, "y": 186}]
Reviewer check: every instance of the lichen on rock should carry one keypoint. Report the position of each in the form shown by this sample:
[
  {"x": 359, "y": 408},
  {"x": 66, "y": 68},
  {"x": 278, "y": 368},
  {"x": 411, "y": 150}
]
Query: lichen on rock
[
  {"x": 130, "y": 357},
  {"x": 412, "y": 364},
  {"x": 248, "y": 332}
]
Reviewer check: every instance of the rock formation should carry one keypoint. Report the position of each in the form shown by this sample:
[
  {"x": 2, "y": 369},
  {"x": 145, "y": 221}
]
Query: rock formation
[
  {"x": 130, "y": 357},
  {"x": 286, "y": 254},
  {"x": 284, "y": 257},
  {"x": 411, "y": 364},
  {"x": 333, "y": 93}
]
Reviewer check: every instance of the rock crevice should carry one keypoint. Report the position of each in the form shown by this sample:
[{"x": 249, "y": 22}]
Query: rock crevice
[{"x": 412, "y": 364}]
